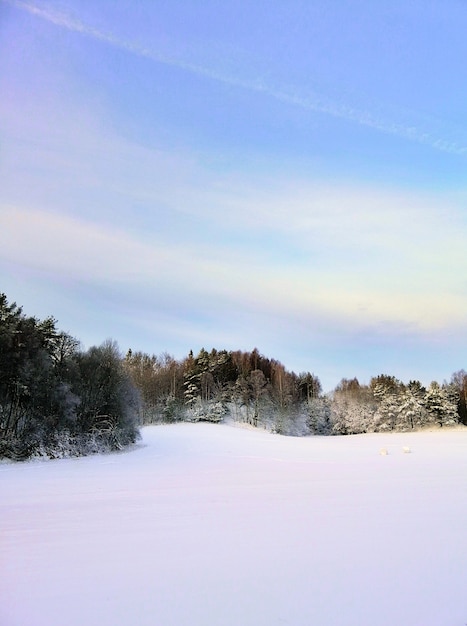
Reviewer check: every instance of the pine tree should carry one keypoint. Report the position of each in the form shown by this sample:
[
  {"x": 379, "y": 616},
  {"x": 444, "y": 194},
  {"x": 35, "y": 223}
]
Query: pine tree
[{"x": 441, "y": 409}]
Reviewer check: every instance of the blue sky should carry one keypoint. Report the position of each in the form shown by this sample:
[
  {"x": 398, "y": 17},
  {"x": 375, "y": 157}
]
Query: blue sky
[{"x": 290, "y": 176}]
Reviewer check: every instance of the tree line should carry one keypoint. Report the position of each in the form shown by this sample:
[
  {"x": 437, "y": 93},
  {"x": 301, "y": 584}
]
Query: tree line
[
  {"x": 59, "y": 400},
  {"x": 248, "y": 387},
  {"x": 210, "y": 386}
]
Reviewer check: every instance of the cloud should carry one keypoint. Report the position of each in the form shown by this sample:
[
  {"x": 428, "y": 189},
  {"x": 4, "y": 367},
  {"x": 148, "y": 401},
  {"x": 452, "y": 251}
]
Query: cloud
[
  {"x": 83, "y": 203},
  {"x": 100, "y": 209},
  {"x": 317, "y": 103},
  {"x": 218, "y": 278}
]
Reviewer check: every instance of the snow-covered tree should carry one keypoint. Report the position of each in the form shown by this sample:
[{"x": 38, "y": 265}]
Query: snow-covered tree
[
  {"x": 352, "y": 408},
  {"x": 459, "y": 380},
  {"x": 441, "y": 408},
  {"x": 387, "y": 392},
  {"x": 411, "y": 410},
  {"x": 319, "y": 415}
]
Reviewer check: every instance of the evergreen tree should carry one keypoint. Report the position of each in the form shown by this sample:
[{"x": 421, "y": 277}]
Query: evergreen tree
[
  {"x": 441, "y": 408},
  {"x": 411, "y": 411}
]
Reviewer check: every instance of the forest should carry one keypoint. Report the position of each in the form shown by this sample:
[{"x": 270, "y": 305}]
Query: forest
[
  {"x": 57, "y": 399},
  {"x": 248, "y": 387}
]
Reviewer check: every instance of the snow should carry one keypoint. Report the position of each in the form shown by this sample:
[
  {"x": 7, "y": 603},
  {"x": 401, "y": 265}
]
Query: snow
[{"x": 213, "y": 525}]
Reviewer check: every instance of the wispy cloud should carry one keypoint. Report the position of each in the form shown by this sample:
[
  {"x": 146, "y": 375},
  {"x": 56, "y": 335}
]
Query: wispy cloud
[
  {"x": 313, "y": 102},
  {"x": 100, "y": 255}
]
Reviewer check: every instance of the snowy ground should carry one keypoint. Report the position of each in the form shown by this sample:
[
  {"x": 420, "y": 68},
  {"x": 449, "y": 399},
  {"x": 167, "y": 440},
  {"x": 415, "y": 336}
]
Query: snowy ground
[{"x": 211, "y": 525}]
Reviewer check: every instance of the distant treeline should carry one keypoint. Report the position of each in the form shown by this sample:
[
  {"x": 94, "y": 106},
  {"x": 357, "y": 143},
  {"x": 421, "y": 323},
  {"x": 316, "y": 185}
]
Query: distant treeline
[
  {"x": 248, "y": 387},
  {"x": 58, "y": 400}
]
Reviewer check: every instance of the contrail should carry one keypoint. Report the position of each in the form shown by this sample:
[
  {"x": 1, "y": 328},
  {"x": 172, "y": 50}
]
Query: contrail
[{"x": 311, "y": 102}]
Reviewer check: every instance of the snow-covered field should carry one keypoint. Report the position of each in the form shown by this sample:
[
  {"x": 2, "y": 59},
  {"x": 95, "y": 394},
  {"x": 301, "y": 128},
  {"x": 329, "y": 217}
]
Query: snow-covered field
[{"x": 211, "y": 525}]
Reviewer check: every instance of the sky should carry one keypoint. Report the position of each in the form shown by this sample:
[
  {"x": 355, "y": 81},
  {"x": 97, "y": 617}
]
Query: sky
[{"x": 286, "y": 175}]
